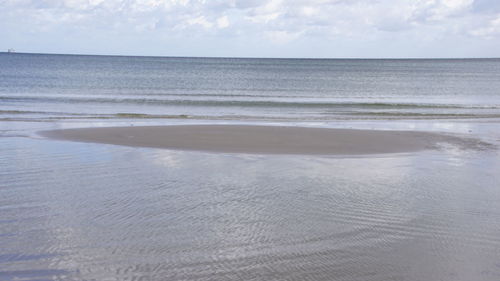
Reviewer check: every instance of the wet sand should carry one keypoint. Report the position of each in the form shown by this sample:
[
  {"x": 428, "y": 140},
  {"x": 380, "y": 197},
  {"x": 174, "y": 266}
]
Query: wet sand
[{"x": 264, "y": 139}]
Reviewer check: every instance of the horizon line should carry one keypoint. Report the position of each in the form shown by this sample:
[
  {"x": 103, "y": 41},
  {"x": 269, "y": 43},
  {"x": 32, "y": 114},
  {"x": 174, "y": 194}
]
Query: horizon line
[{"x": 250, "y": 57}]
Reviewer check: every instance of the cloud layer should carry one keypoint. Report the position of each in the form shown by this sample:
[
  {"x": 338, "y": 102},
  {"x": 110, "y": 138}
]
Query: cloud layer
[{"x": 313, "y": 28}]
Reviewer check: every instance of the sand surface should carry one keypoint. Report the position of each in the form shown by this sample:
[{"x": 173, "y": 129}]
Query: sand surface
[{"x": 264, "y": 139}]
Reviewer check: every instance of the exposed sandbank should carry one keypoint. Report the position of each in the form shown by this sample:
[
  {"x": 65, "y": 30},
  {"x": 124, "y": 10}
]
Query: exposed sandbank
[{"x": 264, "y": 139}]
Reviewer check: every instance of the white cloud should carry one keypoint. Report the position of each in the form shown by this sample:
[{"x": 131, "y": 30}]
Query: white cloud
[
  {"x": 222, "y": 22},
  {"x": 279, "y": 21},
  {"x": 201, "y": 20},
  {"x": 489, "y": 31}
]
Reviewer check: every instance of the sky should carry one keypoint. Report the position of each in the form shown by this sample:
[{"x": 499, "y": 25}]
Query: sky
[{"x": 254, "y": 28}]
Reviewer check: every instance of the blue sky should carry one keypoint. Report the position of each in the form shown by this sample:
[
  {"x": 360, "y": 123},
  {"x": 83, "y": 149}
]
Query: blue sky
[{"x": 254, "y": 28}]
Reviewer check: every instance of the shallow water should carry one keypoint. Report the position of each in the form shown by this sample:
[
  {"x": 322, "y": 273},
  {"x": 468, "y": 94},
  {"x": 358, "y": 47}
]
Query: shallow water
[
  {"x": 79, "y": 211},
  {"x": 82, "y": 211}
]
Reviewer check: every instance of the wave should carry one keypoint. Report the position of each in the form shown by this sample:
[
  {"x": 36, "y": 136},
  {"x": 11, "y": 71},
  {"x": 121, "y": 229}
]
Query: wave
[
  {"x": 346, "y": 116},
  {"x": 15, "y": 112},
  {"x": 249, "y": 103}
]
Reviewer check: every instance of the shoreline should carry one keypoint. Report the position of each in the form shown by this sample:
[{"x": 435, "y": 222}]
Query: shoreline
[{"x": 254, "y": 139}]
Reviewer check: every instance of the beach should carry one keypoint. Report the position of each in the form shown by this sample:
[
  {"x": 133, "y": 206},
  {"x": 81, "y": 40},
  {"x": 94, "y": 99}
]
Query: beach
[{"x": 165, "y": 168}]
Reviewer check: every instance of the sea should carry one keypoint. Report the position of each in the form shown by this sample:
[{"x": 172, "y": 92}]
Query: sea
[{"x": 86, "y": 211}]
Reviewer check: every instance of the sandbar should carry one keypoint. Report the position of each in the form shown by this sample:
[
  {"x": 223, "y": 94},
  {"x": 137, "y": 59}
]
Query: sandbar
[{"x": 264, "y": 139}]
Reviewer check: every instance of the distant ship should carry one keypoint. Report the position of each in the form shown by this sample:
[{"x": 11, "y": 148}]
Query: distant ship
[{"x": 11, "y": 51}]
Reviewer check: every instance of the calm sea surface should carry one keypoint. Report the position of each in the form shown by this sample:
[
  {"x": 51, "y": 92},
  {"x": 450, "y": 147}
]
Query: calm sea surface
[
  {"x": 47, "y": 87},
  {"x": 82, "y": 211}
]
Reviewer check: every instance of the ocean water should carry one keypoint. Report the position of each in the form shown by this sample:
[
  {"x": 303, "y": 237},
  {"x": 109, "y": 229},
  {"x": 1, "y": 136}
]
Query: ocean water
[
  {"x": 83, "y": 211},
  {"x": 48, "y": 87}
]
